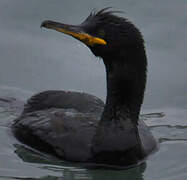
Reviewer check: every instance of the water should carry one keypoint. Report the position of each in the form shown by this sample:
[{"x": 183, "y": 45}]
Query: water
[{"x": 33, "y": 60}]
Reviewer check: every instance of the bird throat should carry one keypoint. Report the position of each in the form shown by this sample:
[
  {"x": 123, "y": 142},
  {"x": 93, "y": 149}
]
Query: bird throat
[{"x": 124, "y": 92}]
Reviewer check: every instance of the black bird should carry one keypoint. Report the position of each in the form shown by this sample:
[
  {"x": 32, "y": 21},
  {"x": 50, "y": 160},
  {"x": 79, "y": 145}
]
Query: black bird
[{"x": 77, "y": 126}]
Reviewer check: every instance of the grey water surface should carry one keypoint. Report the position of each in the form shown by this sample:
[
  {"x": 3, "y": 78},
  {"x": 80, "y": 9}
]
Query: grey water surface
[{"x": 34, "y": 59}]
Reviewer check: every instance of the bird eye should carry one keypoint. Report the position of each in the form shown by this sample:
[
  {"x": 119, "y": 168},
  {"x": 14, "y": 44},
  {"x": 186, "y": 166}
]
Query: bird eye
[{"x": 101, "y": 33}]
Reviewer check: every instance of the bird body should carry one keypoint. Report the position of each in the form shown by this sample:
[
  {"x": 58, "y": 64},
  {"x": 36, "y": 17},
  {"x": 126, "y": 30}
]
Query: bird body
[
  {"x": 67, "y": 130},
  {"x": 79, "y": 127}
]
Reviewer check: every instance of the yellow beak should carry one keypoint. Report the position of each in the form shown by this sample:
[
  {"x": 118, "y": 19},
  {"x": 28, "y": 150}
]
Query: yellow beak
[{"x": 74, "y": 31}]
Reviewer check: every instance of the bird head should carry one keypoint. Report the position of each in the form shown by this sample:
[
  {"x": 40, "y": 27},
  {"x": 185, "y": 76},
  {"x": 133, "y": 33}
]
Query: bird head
[{"x": 103, "y": 32}]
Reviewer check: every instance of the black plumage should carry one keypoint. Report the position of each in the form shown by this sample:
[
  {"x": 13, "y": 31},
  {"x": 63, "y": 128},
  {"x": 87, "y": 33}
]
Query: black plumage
[{"x": 78, "y": 126}]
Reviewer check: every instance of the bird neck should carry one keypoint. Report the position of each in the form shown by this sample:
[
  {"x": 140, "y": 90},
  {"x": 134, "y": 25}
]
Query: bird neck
[{"x": 126, "y": 78}]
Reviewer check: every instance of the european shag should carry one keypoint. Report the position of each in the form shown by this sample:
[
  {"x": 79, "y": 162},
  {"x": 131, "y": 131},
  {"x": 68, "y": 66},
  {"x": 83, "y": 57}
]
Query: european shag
[{"x": 79, "y": 127}]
